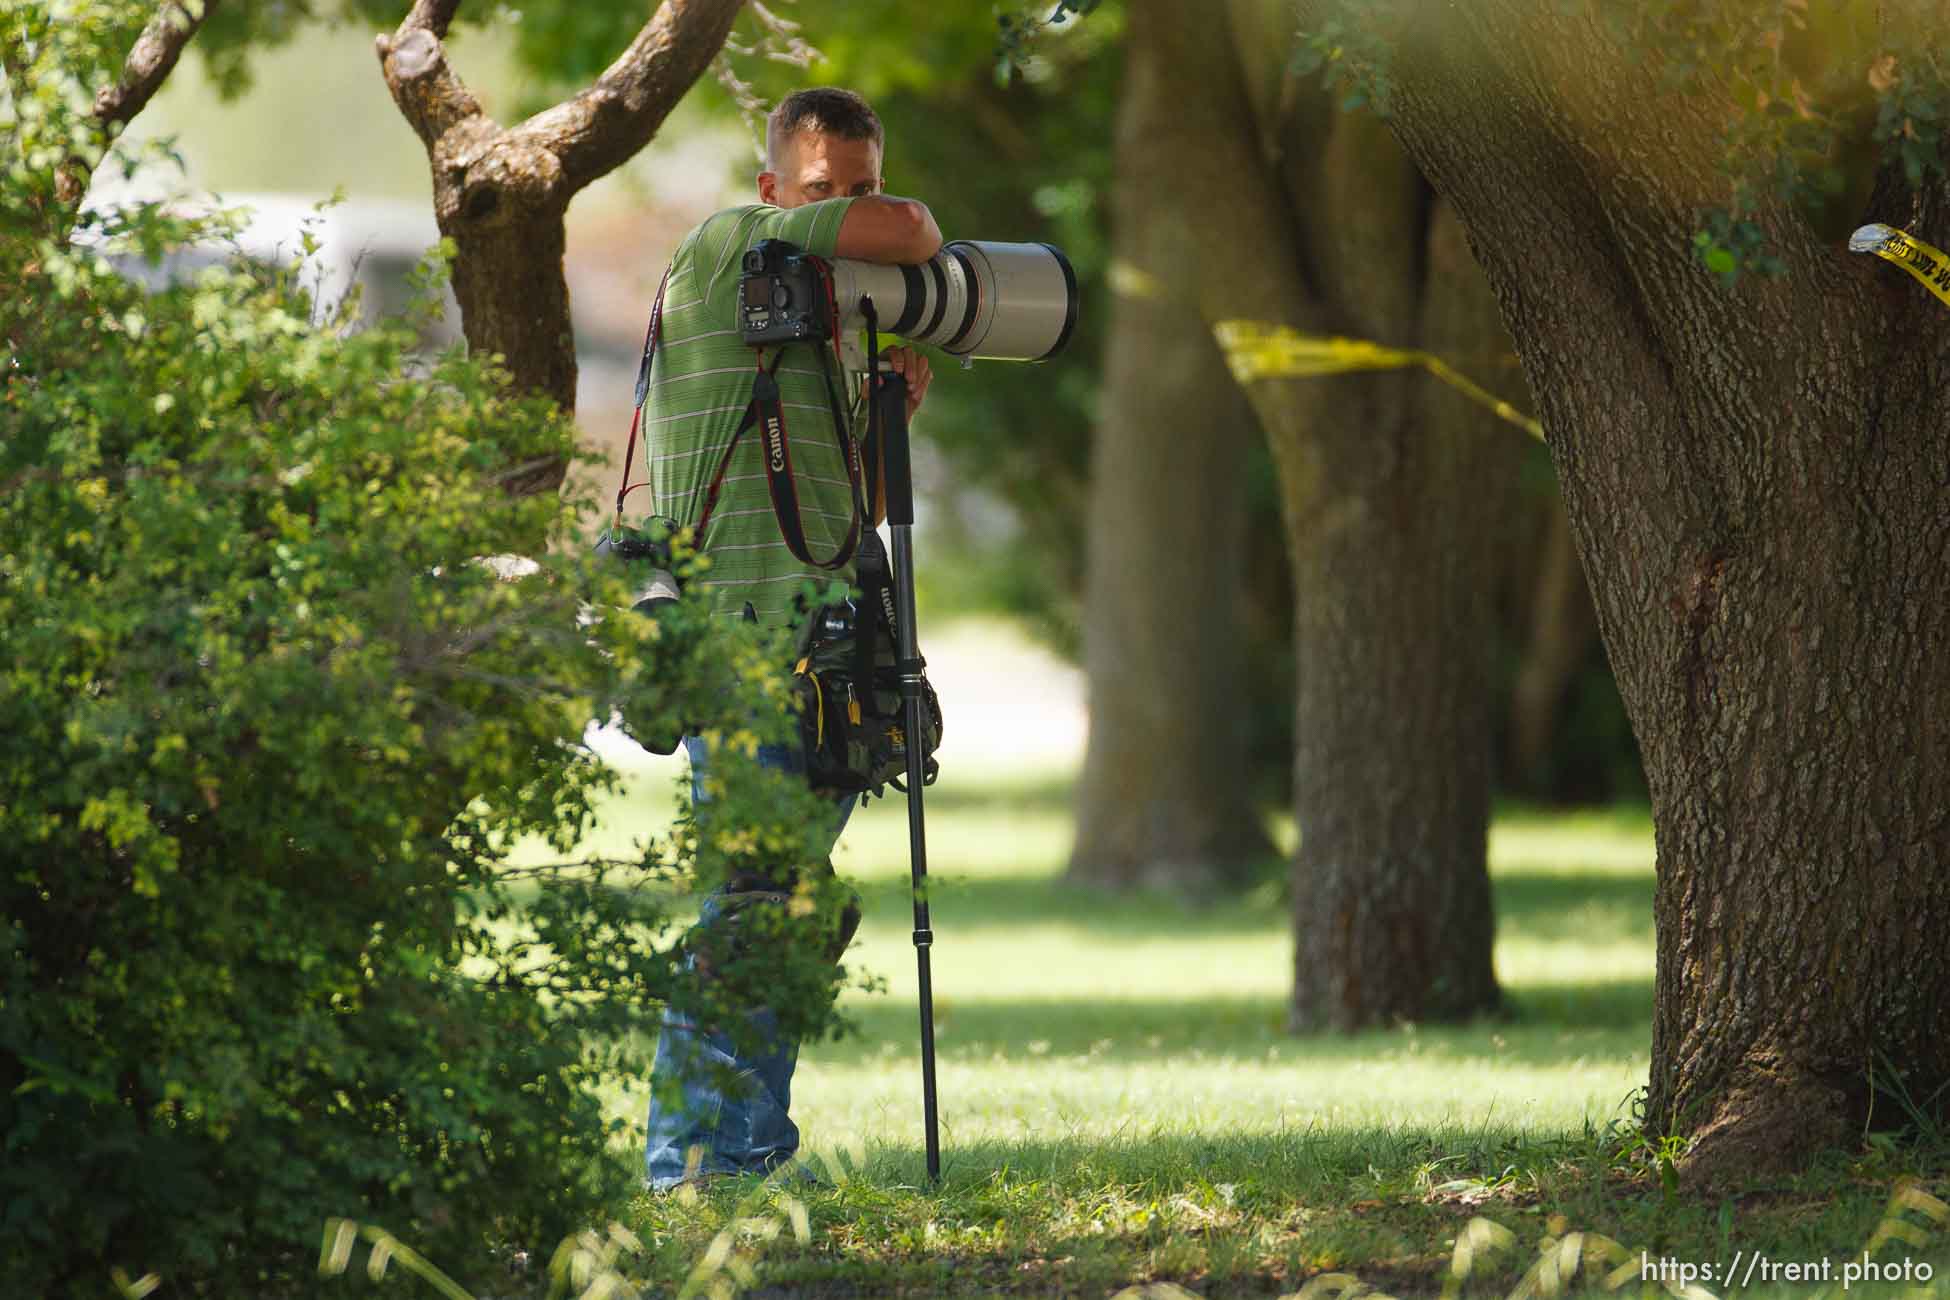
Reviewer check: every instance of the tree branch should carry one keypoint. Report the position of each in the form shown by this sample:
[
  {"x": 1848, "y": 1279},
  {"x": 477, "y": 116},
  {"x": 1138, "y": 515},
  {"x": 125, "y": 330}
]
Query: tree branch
[
  {"x": 434, "y": 15},
  {"x": 151, "y": 60},
  {"x": 430, "y": 95},
  {"x": 605, "y": 125}
]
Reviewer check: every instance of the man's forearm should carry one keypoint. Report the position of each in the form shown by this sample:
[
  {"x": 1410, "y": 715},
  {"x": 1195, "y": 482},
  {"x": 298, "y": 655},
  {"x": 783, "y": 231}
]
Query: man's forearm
[{"x": 893, "y": 231}]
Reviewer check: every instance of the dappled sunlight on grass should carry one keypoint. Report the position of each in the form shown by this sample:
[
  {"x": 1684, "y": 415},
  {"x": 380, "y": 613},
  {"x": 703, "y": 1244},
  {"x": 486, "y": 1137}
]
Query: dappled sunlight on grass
[
  {"x": 1063, "y": 1010},
  {"x": 1120, "y": 1099},
  {"x": 1018, "y": 1094}
]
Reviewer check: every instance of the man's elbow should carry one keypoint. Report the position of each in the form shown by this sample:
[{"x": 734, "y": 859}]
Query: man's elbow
[
  {"x": 920, "y": 238},
  {"x": 889, "y": 230}
]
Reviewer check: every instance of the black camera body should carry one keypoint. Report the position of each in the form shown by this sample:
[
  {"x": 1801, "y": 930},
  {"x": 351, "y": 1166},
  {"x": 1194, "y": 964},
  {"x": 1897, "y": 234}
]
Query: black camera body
[
  {"x": 635, "y": 544},
  {"x": 783, "y": 296}
]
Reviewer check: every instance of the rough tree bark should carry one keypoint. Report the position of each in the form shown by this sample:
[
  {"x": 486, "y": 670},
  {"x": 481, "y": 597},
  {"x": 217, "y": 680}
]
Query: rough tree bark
[
  {"x": 1394, "y": 626},
  {"x": 1390, "y": 491},
  {"x": 151, "y": 60},
  {"x": 1166, "y": 796},
  {"x": 1395, "y": 489},
  {"x": 1755, "y": 479},
  {"x": 500, "y": 192}
]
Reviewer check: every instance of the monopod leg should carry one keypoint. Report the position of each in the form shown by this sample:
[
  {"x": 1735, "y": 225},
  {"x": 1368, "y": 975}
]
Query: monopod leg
[
  {"x": 892, "y": 416},
  {"x": 917, "y": 833}
]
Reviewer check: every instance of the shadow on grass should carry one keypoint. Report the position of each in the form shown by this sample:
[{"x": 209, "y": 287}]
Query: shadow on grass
[
  {"x": 1544, "y": 1028},
  {"x": 1553, "y": 906},
  {"x": 1303, "y": 1163},
  {"x": 1011, "y": 902},
  {"x": 1054, "y": 794},
  {"x": 1261, "y": 1213},
  {"x": 1610, "y": 1004},
  {"x": 1085, "y": 1217},
  {"x": 1561, "y": 905}
]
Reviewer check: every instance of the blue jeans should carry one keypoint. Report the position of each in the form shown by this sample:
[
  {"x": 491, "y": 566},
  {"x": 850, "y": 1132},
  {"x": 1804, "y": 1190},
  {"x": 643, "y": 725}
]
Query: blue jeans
[{"x": 744, "y": 1127}]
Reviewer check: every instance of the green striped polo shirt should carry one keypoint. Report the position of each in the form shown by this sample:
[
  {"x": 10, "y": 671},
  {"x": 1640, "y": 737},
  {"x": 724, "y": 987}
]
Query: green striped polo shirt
[{"x": 700, "y": 384}]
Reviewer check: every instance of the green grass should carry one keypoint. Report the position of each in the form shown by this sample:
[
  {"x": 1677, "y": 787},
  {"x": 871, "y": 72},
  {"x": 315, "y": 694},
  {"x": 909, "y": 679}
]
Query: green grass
[{"x": 1120, "y": 1103}]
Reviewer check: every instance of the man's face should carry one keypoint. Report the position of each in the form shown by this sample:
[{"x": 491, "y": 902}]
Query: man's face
[{"x": 816, "y": 166}]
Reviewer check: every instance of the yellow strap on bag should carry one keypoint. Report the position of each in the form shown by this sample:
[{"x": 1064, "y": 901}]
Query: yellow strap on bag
[
  {"x": 1924, "y": 261},
  {"x": 1258, "y": 351},
  {"x": 804, "y": 669}
]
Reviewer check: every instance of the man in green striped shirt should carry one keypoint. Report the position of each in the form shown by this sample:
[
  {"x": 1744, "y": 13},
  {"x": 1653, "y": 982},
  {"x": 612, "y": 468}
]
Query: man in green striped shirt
[{"x": 821, "y": 190}]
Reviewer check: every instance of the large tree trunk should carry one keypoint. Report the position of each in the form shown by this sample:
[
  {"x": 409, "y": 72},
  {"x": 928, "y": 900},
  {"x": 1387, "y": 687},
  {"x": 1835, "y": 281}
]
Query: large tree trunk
[
  {"x": 1395, "y": 490},
  {"x": 500, "y": 199},
  {"x": 501, "y": 192},
  {"x": 1755, "y": 478},
  {"x": 1392, "y": 761},
  {"x": 1167, "y": 793},
  {"x": 1393, "y": 633}
]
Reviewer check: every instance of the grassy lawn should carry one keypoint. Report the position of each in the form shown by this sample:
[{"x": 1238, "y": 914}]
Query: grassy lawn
[{"x": 1121, "y": 1107}]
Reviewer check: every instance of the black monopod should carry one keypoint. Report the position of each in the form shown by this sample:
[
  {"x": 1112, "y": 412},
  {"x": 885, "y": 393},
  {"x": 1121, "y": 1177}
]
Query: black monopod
[
  {"x": 890, "y": 418},
  {"x": 1003, "y": 301}
]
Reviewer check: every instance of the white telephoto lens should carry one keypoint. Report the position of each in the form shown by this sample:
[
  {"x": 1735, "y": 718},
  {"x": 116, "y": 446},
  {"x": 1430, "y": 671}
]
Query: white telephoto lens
[{"x": 974, "y": 298}]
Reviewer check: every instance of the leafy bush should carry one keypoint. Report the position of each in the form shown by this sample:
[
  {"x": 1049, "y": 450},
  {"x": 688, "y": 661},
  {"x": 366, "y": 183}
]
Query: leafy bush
[{"x": 268, "y": 733}]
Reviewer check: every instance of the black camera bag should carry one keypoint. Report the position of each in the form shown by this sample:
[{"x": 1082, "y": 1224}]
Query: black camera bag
[{"x": 846, "y": 686}]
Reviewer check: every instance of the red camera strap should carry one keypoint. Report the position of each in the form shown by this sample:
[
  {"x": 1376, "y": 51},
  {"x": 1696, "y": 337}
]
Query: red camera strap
[{"x": 650, "y": 337}]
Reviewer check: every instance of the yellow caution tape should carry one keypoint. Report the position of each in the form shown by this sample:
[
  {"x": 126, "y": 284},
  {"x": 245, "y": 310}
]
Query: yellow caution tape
[
  {"x": 1927, "y": 263},
  {"x": 1256, "y": 351}
]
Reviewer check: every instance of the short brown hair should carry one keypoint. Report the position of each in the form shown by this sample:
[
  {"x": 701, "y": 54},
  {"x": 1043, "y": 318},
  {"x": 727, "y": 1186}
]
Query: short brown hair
[{"x": 826, "y": 109}]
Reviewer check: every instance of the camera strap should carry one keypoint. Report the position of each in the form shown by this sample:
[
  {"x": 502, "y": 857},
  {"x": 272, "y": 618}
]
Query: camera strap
[
  {"x": 767, "y": 408},
  {"x": 650, "y": 337}
]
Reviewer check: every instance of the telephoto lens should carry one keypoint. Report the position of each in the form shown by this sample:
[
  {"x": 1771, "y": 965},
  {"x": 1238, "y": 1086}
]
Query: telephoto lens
[{"x": 974, "y": 298}]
